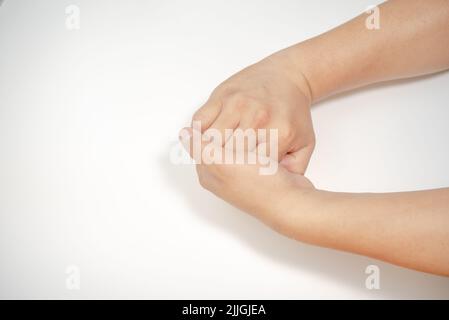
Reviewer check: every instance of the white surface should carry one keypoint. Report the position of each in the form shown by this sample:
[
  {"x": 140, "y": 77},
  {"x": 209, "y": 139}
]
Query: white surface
[{"x": 86, "y": 121}]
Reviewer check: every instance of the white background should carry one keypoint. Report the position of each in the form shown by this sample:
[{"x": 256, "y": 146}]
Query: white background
[{"x": 87, "y": 118}]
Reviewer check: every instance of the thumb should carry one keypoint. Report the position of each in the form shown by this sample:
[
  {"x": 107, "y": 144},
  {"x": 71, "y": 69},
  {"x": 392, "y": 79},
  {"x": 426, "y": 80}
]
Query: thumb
[{"x": 297, "y": 161}]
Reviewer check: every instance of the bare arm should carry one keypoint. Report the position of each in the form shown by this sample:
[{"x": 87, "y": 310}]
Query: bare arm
[
  {"x": 413, "y": 39},
  {"x": 410, "y": 229},
  {"x": 278, "y": 91}
]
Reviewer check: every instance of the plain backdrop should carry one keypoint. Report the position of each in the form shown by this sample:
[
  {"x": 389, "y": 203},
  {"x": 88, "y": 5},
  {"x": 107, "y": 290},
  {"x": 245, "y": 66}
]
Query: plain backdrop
[{"x": 87, "y": 120}]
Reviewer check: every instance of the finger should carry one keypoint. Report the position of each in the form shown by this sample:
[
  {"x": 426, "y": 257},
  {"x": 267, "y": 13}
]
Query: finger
[
  {"x": 224, "y": 125},
  {"x": 200, "y": 150},
  {"x": 298, "y": 161},
  {"x": 191, "y": 140},
  {"x": 207, "y": 114},
  {"x": 263, "y": 157},
  {"x": 186, "y": 138},
  {"x": 242, "y": 140},
  {"x": 246, "y": 132},
  {"x": 278, "y": 142}
]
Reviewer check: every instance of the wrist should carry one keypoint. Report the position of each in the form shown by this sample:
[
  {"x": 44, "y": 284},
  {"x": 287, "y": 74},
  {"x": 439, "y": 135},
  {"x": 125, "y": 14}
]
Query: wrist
[
  {"x": 284, "y": 61},
  {"x": 312, "y": 66},
  {"x": 301, "y": 58},
  {"x": 291, "y": 215}
]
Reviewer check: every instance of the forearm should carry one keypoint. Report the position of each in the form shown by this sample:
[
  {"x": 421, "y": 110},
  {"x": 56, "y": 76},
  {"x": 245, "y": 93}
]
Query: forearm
[
  {"x": 410, "y": 229},
  {"x": 413, "y": 40}
]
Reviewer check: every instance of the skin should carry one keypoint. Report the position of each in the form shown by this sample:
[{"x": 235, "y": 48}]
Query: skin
[
  {"x": 410, "y": 229},
  {"x": 266, "y": 95}
]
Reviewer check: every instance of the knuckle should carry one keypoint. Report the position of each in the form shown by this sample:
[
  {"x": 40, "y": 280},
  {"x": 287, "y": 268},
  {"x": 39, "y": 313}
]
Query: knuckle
[
  {"x": 222, "y": 90},
  {"x": 199, "y": 116},
  {"x": 224, "y": 174},
  {"x": 287, "y": 133},
  {"x": 235, "y": 102},
  {"x": 262, "y": 117}
]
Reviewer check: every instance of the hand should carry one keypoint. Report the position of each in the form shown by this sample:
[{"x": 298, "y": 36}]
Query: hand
[
  {"x": 243, "y": 186},
  {"x": 270, "y": 94}
]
